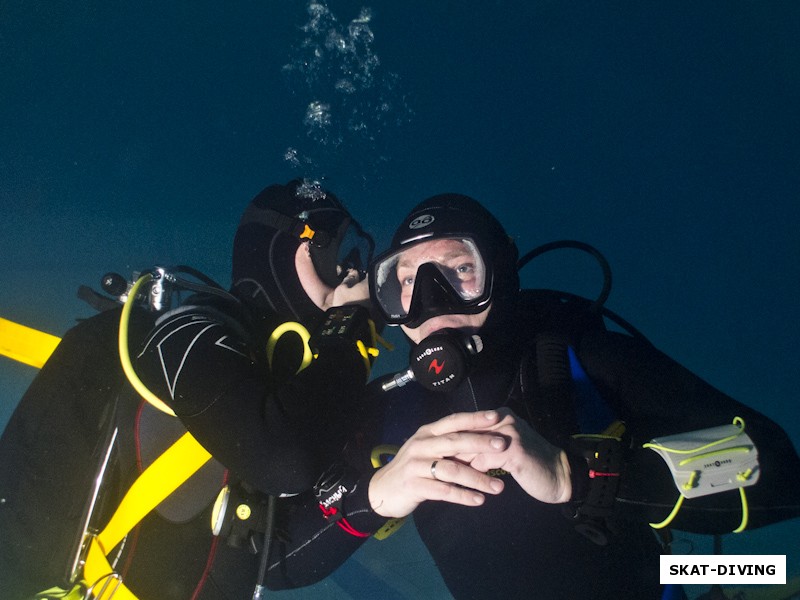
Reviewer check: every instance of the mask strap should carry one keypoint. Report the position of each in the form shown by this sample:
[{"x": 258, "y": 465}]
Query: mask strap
[{"x": 270, "y": 218}]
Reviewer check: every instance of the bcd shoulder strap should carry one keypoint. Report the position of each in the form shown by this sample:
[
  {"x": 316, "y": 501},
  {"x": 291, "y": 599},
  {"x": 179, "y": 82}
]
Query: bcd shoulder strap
[{"x": 569, "y": 412}]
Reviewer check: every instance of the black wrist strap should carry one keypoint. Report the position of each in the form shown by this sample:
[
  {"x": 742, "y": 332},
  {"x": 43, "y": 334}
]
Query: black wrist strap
[{"x": 596, "y": 463}]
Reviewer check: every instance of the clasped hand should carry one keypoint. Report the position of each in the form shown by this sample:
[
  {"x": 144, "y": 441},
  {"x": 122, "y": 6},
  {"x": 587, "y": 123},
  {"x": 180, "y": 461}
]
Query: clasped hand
[{"x": 448, "y": 460}]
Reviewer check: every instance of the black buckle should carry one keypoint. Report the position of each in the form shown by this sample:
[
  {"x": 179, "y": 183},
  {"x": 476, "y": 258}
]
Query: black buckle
[{"x": 605, "y": 465}]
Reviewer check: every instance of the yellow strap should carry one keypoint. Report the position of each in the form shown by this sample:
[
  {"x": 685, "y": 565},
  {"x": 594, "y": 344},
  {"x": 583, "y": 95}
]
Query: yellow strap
[
  {"x": 26, "y": 345},
  {"x": 167, "y": 473},
  {"x": 158, "y": 481},
  {"x": 101, "y": 578}
]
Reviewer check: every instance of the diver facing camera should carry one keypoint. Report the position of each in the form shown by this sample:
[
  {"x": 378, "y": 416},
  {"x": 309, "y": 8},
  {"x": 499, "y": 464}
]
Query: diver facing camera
[
  {"x": 552, "y": 450},
  {"x": 590, "y": 419}
]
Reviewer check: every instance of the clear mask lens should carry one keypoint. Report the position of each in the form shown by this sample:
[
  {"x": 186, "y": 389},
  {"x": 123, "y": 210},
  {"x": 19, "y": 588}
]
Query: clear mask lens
[{"x": 457, "y": 260}]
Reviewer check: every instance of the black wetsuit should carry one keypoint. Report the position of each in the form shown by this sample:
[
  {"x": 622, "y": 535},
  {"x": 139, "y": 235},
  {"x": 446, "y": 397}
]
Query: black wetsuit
[
  {"x": 208, "y": 362},
  {"x": 516, "y": 547},
  {"x": 271, "y": 429}
]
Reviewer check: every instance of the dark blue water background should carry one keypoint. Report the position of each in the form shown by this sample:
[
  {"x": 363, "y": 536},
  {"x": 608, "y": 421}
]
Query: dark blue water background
[{"x": 665, "y": 134}]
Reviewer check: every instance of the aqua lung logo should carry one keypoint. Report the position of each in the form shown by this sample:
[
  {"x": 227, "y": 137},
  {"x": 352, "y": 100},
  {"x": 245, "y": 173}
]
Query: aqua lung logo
[
  {"x": 717, "y": 463},
  {"x": 428, "y": 352},
  {"x": 422, "y": 221}
]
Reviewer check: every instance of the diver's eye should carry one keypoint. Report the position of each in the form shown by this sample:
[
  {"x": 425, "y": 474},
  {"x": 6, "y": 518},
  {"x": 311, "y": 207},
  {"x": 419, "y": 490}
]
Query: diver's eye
[
  {"x": 407, "y": 281},
  {"x": 466, "y": 268}
]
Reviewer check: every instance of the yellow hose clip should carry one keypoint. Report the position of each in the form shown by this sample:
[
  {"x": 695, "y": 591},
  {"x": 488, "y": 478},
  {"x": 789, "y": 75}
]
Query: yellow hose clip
[{"x": 290, "y": 327}]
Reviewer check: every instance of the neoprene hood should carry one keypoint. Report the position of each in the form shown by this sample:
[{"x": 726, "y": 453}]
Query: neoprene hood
[{"x": 264, "y": 249}]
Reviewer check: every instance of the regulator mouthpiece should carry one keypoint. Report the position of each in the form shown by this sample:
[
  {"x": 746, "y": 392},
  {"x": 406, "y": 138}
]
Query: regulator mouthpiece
[{"x": 440, "y": 362}]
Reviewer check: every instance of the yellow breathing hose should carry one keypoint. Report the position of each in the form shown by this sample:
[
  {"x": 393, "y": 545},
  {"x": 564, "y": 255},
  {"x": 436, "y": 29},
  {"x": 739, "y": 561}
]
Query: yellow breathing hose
[{"x": 124, "y": 355}]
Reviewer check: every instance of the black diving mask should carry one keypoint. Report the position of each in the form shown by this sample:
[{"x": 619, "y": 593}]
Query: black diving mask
[
  {"x": 338, "y": 246},
  {"x": 429, "y": 278}
]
